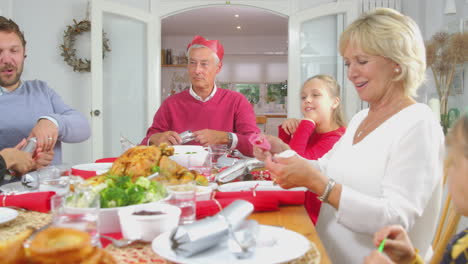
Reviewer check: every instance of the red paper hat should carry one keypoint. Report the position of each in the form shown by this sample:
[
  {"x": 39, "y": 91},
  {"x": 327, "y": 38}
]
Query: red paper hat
[{"x": 213, "y": 45}]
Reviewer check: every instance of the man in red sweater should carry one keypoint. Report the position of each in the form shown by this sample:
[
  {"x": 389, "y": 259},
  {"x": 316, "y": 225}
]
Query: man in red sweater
[{"x": 216, "y": 116}]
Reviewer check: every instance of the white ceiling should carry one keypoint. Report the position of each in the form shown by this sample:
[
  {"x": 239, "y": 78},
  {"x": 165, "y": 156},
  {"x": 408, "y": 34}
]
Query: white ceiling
[{"x": 220, "y": 20}]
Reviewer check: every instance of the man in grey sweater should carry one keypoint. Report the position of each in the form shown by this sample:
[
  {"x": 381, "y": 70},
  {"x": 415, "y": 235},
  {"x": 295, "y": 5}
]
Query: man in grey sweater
[{"x": 31, "y": 108}]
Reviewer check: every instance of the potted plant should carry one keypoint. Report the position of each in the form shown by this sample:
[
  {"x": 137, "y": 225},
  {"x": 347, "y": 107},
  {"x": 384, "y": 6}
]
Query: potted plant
[{"x": 444, "y": 52}]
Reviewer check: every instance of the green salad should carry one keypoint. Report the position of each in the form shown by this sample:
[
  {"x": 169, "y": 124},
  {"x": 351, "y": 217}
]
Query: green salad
[{"x": 117, "y": 191}]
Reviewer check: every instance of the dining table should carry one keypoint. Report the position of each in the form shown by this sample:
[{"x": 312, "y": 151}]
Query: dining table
[{"x": 291, "y": 217}]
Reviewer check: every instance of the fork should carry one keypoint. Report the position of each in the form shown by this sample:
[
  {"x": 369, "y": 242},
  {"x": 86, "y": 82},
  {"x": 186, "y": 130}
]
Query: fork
[{"x": 119, "y": 242}]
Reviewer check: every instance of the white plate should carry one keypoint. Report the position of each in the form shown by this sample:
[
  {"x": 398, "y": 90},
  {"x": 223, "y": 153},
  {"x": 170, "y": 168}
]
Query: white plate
[
  {"x": 15, "y": 187},
  {"x": 249, "y": 185},
  {"x": 18, "y": 188},
  {"x": 7, "y": 214},
  {"x": 99, "y": 168},
  {"x": 274, "y": 245}
]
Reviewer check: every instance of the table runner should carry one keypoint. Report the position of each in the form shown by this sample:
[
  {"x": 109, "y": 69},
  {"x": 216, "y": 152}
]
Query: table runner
[{"x": 136, "y": 253}]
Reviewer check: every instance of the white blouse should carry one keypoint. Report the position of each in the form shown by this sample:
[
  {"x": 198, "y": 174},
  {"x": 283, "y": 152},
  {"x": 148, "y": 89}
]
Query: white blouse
[{"x": 392, "y": 176}]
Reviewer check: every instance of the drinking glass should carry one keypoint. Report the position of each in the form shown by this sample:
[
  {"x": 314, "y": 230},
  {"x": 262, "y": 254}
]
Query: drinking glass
[
  {"x": 203, "y": 167},
  {"x": 217, "y": 151},
  {"x": 183, "y": 196},
  {"x": 54, "y": 178},
  {"x": 79, "y": 210}
]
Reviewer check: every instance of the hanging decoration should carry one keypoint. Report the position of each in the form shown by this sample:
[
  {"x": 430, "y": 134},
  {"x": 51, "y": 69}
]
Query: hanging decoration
[{"x": 69, "y": 51}]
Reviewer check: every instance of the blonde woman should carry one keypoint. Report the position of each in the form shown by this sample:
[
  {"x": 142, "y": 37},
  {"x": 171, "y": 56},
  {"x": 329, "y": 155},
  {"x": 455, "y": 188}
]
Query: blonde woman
[{"x": 387, "y": 167}]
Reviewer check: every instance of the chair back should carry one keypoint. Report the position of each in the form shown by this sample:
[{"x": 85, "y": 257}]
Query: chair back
[
  {"x": 447, "y": 226},
  {"x": 446, "y": 229},
  {"x": 261, "y": 123}
]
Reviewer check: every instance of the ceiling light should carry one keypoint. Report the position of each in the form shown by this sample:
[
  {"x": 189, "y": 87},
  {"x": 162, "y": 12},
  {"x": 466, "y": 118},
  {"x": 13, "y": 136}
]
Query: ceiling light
[
  {"x": 236, "y": 15},
  {"x": 239, "y": 27}
]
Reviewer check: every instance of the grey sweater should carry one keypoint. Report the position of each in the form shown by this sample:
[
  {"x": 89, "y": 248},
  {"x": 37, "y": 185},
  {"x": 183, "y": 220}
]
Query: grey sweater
[{"x": 20, "y": 110}]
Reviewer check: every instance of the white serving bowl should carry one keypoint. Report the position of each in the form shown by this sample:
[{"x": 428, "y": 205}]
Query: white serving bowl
[
  {"x": 109, "y": 219},
  {"x": 189, "y": 155},
  {"x": 148, "y": 227}
]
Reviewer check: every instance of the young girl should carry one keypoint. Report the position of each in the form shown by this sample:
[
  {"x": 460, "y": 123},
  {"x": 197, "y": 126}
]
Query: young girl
[
  {"x": 323, "y": 123},
  {"x": 398, "y": 246},
  {"x": 322, "y": 126}
]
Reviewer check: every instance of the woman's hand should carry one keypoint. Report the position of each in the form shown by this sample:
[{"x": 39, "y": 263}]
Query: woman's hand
[
  {"x": 295, "y": 172},
  {"x": 277, "y": 146},
  {"x": 398, "y": 245},
  {"x": 290, "y": 125},
  {"x": 17, "y": 160}
]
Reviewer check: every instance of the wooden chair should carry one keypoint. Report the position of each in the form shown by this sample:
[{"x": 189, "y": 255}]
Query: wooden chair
[
  {"x": 447, "y": 226},
  {"x": 261, "y": 123}
]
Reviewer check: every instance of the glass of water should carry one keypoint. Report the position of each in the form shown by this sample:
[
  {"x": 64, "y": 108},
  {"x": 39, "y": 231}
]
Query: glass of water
[
  {"x": 79, "y": 210},
  {"x": 183, "y": 196},
  {"x": 54, "y": 178},
  {"x": 215, "y": 152}
]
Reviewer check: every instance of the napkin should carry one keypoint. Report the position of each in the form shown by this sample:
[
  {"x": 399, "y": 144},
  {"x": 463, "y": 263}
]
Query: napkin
[
  {"x": 105, "y": 160},
  {"x": 106, "y": 242},
  {"x": 280, "y": 197},
  {"x": 212, "y": 207},
  {"x": 35, "y": 201}
]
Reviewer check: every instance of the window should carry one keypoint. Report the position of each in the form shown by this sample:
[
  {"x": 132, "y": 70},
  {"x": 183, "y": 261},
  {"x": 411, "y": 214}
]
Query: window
[
  {"x": 277, "y": 92},
  {"x": 250, "y": 91}
]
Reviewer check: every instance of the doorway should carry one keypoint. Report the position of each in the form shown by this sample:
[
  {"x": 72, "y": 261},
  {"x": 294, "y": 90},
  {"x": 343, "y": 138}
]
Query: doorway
[{"x": 256, "y": 55}]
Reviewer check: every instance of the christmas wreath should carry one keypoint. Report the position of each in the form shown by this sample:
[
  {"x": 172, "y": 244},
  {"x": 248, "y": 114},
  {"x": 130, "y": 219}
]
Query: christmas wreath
[{"x": 68, "y": 51}]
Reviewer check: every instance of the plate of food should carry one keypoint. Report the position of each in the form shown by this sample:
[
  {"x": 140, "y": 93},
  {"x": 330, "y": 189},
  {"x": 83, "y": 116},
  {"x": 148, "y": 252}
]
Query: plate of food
[
  {"x": 270, "y": 241},
  {"x": 138, "y": 176},
  {"x": 7, "y": 215},
  {"x": 254, "y": 185}
]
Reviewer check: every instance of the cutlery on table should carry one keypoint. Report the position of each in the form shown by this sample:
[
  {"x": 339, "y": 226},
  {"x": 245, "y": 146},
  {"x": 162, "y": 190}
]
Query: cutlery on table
[{"x": 120, "y": 242}]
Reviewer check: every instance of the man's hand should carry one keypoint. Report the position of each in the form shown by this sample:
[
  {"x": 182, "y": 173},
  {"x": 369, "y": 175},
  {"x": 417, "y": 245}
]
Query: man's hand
[
  {"x": 46, "y": 133},
  {"x": 43, "y": 158},
  {"x": 290, "y": 125},
  {"x": 208, "y": 137},
  {"x": 169, "y": 137}
]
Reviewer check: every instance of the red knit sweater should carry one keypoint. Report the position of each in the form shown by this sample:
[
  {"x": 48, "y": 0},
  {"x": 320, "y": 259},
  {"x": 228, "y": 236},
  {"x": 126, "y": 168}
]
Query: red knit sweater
[
  {"x": 311, "y": 146},
  {"x": 227, "y": 111}
]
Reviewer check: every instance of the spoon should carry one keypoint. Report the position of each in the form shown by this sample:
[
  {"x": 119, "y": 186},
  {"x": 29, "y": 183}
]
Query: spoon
[{"x": 119, "y": 242}]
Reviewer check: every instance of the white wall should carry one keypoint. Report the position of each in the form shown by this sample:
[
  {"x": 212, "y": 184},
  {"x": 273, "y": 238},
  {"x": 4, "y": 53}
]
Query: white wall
[{"x": 43, "y": 23}]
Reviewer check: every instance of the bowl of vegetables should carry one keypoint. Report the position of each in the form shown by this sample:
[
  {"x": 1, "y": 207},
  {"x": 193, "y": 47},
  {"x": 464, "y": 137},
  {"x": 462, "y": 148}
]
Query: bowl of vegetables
[{"x": 121, "y": 191}]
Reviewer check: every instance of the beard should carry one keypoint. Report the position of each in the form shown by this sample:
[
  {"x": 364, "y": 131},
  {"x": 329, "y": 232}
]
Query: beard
[{"x": 12, "y": 79}]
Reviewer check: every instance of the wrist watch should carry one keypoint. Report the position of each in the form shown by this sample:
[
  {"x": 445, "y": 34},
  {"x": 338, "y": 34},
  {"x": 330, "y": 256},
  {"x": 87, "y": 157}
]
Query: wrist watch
[
  {"x": 229, "y": 143},
  {"x": 324, "y": 197}
]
